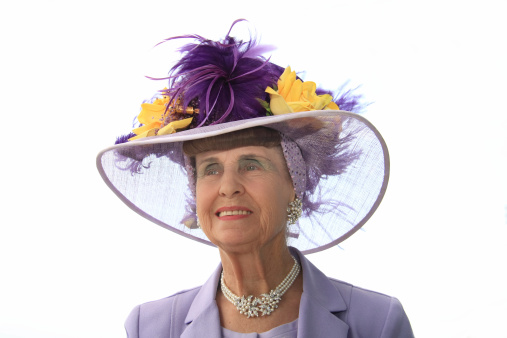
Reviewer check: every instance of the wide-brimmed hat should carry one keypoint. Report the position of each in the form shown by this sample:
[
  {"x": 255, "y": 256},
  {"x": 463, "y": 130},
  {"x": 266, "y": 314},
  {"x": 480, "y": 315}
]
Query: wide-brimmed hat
[{"x": 221, "y": 87}]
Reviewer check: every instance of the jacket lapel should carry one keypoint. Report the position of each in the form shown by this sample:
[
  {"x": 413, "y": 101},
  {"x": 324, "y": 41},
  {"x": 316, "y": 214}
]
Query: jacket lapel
[
  {"x": 317, "y": 321},
  {"x": 203, "y": 319},
  {"x": 319, "y": 301},
  {"x": 207, "y": 324}
]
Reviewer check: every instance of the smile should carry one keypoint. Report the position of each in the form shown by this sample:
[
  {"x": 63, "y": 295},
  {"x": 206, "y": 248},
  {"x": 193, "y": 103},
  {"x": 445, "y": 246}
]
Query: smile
[{"x": 234, "y": 213}]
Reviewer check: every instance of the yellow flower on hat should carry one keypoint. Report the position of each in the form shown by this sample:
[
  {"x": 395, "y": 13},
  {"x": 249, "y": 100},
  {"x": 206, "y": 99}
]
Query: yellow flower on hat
[
  {"x": 155, "y": 118},
  {"x": 294, "y": 95}
]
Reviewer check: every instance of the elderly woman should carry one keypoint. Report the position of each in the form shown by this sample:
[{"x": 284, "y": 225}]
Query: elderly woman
[{"x": 243, "y": 155}]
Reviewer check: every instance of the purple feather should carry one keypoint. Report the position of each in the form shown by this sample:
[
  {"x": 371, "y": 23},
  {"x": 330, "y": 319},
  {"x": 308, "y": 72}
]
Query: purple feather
[
  {"x": 347, "y": 99},
  {"x": 226, "y": 78},
  {"x": 124, "y": 138},
  {"x": 350, "y": 100}
]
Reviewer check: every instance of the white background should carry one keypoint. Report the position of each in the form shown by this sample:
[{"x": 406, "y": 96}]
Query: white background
[{"x": 74, "y": 260}]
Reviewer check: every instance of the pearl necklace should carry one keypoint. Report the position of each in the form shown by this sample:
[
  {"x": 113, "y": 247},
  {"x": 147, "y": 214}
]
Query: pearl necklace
[{"x": 250, "y": 306}]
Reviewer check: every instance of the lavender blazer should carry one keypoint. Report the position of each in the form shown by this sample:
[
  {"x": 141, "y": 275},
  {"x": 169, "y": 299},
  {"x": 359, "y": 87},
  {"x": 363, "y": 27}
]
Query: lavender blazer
[{"x": 328, "y": 308}]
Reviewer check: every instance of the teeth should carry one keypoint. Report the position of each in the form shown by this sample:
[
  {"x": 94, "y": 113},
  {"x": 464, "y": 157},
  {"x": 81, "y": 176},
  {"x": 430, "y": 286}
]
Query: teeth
[{"x": 234, "y": 213}]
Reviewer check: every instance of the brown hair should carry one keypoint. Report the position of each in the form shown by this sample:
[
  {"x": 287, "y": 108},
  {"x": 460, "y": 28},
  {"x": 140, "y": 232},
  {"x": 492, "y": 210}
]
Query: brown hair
[{"x": 256, "y": 136}]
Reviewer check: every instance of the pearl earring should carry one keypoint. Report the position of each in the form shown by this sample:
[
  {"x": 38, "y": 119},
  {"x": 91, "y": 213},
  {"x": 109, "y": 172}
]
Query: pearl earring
[{"x": 294, "y": 211}]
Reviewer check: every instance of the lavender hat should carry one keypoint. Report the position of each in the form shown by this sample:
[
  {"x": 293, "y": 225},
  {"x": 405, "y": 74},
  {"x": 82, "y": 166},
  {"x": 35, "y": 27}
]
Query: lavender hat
[{"x": 338, "y": 161}]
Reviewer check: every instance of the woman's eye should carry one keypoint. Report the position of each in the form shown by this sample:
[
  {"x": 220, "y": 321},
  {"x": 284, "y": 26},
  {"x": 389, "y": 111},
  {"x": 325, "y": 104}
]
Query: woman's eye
[
  {"x": 251, "y": 166},
  {"x": 211, "y": 172}
]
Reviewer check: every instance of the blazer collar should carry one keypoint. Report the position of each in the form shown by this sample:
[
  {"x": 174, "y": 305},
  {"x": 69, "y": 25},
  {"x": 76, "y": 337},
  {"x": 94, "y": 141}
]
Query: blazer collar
[
  {"x": 319, "y": 301},
  {"x": 203, "y": 316}
]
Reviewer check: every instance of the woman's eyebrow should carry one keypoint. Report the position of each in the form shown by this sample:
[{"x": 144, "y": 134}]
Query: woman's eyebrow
[
  {"x": 253, "y": 156},
  {"x": 214, "y": 159},
  {"x": 208, "y": 160}
]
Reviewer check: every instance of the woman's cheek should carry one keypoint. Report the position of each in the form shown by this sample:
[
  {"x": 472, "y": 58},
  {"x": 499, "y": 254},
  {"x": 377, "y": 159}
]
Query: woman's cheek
[
  {"x": 270, "y": 222},
  {"x": 203, "y": 208},
  {"x": 205, "y": 220}
]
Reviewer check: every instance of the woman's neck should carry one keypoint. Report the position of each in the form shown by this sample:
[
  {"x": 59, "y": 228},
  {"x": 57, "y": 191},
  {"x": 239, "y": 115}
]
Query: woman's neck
[{"x": 256, "y": 272}]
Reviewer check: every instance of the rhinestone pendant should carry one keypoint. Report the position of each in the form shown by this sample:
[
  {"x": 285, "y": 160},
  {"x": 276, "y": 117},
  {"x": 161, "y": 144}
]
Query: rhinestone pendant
[{"x": 252, "y": 306}]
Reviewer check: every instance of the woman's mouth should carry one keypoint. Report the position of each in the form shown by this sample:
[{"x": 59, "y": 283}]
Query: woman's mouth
[{"x": 233, "y": 213}]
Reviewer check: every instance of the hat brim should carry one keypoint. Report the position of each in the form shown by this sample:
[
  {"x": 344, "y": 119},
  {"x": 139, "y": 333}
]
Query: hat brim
[{"x": 160, "y": 191}]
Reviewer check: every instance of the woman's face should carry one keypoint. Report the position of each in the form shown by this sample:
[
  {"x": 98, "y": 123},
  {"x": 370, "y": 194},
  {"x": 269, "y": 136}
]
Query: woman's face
[{"x": 242, "y": 196}]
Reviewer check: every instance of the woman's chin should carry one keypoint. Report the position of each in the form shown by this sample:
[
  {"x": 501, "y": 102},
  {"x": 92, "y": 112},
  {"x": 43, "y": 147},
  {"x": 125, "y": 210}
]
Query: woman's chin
[
  {"x": 236, "y": 243},
  {"x": 241, "y": 243}
]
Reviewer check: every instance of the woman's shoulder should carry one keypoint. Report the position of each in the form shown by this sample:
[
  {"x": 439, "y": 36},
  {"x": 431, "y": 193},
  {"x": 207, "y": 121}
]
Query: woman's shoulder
[
  {"x": 183, "y": 299},
  {"x": 367, "y": 306},
  {"x": 353, "y": 294},
  {"x": 154, "y": 315}
]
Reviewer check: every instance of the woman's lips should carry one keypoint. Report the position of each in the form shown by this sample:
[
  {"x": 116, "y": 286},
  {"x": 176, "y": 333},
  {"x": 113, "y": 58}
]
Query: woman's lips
[{"x": 231, "y": 213}]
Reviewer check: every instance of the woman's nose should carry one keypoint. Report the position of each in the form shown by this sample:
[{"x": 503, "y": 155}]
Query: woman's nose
[{"x": 230, "y": 184}]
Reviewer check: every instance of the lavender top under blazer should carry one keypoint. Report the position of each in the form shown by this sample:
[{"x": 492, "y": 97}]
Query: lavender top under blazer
[{"x": 328, "y": 308}]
